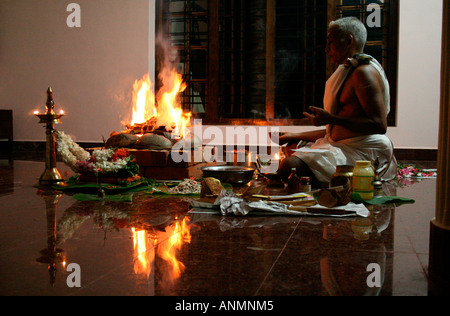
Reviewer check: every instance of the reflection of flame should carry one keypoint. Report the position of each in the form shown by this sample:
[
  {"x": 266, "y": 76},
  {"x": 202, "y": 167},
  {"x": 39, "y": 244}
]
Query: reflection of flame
[
  {"x": 143, "y": 252},
  {"x": 178, "y": 235},
  {"x": 172, "y": 240},
  {"x": 165, "y": 108}
]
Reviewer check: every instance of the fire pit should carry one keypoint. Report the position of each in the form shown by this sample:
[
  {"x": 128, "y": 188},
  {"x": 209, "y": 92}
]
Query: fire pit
[{"x": 158, "y": 124}]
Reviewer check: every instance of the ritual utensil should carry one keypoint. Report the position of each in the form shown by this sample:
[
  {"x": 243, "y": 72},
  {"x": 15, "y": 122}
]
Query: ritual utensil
[
  {"x": 233, "y": 175},
  {"x": 379, "y": 172},
  {"x": 51, "y": 175}
]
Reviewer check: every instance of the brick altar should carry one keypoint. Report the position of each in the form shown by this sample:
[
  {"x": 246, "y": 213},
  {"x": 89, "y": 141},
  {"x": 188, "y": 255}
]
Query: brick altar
[{"x": 159, "y": 165}]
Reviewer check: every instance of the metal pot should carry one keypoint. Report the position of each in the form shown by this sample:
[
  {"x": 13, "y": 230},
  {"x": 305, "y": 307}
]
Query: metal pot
[{"x": 229, "y": 174}]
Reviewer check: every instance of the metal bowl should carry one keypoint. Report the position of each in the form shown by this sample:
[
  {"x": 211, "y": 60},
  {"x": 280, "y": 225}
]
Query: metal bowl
[{"x": 229, "y": 174}]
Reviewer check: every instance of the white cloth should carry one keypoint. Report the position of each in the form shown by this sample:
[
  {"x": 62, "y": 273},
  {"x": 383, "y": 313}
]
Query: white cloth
[
  {"x": 332, "y": 88},
  {"x": 325, "y": 155}
]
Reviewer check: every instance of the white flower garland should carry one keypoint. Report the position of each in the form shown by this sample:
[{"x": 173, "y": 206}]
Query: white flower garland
[
  {"x": 102, "y": 157},
  {"x": 71, "y": 153}
]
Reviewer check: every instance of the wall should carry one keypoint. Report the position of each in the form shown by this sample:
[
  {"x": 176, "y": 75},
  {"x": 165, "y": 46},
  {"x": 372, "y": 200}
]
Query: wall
[
  {"x": 92, "y": 68},
  {"x": 419, "y": 79}
]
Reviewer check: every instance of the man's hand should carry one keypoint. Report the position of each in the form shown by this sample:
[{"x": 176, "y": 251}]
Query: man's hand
[
  {"x": 284, "y": 138},
  {"x": 320, "y": 117}
]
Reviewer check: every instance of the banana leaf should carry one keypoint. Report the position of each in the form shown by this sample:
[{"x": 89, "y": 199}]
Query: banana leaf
[{"x": 108, "y": 198}]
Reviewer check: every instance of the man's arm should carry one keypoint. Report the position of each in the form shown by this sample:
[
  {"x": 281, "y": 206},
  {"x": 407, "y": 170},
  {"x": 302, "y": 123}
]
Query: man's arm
[{"x": 311, "y": 136}]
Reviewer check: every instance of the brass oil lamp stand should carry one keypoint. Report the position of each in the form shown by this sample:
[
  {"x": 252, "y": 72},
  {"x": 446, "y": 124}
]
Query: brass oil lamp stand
[{"x": 51, "y": 174}]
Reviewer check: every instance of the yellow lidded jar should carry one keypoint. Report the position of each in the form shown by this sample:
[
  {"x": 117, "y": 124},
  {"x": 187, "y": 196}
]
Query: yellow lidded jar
[{"x": 363, "y": 180}]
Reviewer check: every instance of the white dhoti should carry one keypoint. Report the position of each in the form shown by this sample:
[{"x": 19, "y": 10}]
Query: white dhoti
[{"x": 325, "y": 155}]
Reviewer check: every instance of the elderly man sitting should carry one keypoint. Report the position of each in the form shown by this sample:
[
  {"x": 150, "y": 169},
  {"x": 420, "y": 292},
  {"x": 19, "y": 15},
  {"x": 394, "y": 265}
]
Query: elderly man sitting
[{"x": 356, "y": 105}]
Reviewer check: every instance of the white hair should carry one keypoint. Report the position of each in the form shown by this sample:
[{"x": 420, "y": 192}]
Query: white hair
[{"x": 352, "y": 26}]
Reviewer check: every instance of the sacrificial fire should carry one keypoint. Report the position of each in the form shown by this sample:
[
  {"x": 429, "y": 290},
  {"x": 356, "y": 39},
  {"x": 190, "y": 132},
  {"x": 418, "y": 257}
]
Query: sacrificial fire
[
  {"x": 158, "y": 120},
  {"x": 162, "y": 110}
]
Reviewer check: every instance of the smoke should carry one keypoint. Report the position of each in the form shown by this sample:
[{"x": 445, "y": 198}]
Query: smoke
[{"x": 168, "y": 59}]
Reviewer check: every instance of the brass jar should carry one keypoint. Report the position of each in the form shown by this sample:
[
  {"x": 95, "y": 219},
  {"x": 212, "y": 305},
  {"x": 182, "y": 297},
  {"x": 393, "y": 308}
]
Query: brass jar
[{"x": 344, "y": 171}]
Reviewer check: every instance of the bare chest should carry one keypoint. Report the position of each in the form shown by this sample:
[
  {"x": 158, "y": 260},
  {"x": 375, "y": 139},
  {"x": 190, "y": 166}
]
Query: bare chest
[{"x": 349, "y": 104}]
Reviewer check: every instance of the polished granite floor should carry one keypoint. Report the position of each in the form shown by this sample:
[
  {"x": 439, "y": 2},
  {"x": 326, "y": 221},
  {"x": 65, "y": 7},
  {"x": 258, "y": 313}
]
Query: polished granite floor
[{"x": 155, "y": 247}]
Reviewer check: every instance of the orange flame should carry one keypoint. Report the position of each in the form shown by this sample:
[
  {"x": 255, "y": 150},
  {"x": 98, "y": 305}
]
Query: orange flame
[
  {"x": 178, "y": 235},
  {"x": 165, "y": 107},
  {"x": 143, "y": 100},
  {"x": 143, "y": 252}
]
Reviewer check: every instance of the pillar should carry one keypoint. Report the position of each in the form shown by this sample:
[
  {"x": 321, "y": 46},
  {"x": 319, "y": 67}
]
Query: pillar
[{"x": 439, "y": 260}]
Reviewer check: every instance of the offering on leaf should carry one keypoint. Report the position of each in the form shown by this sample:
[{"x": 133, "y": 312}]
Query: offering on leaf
[
  {"x": 185, "y": 187},
  {"x": 104, "y": 164},
  {"x": 188, "y": 186}
]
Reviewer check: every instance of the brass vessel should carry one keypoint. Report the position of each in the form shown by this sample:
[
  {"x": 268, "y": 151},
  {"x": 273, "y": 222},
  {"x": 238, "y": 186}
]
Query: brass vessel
[{"x": 344, "y": 171}]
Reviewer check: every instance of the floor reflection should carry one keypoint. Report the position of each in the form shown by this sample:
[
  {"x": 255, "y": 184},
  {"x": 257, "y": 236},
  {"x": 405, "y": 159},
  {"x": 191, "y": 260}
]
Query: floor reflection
[
  {"x": 52, "y": 255},
  {"x": 6, "y": 176},
  {"x": 154, "y": 246},
  {"x": 144, "y": 252},
  {"x": 155, "y": 233},
  {"x": 175, "y": 235},
  {"x": 316, "y": 256},
  {"x": 165, "y": 244}
]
